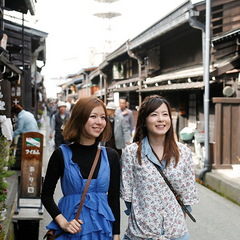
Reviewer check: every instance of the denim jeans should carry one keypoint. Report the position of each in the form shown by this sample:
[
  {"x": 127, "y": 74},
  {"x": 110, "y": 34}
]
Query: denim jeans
[{"x": 184, "y": 237}]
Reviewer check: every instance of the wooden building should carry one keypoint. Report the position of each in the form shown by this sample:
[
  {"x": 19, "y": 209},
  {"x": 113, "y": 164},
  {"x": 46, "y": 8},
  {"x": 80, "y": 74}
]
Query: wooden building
[
  {"x": 167, "y": 59},
  {"x": 77, "y": 85},
  {"x": 21, "y": 48}
]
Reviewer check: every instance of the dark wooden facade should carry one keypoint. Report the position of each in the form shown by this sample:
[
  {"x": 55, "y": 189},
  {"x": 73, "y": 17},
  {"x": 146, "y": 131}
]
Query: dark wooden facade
[
  {"x": 167, "y": 59},
  {"x": 227, "y": 132},
  {"x": 24, "y": 46}
]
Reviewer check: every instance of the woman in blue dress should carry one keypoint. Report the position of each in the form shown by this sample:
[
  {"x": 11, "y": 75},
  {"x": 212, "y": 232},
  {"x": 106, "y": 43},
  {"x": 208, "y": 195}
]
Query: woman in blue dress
[{"x": 100, "y": 215}]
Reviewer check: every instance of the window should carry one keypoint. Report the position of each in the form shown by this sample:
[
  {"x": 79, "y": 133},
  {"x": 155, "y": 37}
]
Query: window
[{"x": 118, "y": 71}]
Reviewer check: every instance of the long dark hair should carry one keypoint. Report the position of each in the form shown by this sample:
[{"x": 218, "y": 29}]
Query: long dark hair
[
  {"x": 149, "y": 105},
  {"x": 74, "y": 128}
]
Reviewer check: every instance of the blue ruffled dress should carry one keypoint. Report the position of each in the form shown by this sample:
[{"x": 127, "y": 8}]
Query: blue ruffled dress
[{"x": 96, "y": 214}]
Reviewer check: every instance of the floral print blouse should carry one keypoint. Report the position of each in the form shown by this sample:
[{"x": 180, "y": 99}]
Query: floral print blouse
[{"x": 153, "y": 204}]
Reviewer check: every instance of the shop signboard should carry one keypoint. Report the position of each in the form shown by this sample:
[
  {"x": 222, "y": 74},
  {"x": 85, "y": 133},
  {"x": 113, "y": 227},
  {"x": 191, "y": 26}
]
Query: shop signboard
[{"x": 31, "y": 166}]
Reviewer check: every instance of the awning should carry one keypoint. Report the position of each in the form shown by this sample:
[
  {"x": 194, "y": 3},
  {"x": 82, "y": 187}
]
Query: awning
[
  {"x": 220, "y": 67},
  {"x": 196, "y": 71},
  {"x": 78, "y": 79},
  {"x": 126, "y": 89},
  {"x": 176, "y": 86},
  {"x": 130, "y": 80},
  {"x": 93, "y": 74},
  {"x": 86, "y": 85},
  {"x": 74, "y": 80},
  {"x": 8, "y": 64},
  {"x": 235, "y": 32},
  {"x": 99, "y": 93}
]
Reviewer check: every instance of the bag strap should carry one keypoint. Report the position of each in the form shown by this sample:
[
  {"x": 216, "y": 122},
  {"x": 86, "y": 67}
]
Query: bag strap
[
  {"x": 84, "y": 191},
  {"x": 172, "y": 189},
  {"x": 88, "y": 183}
]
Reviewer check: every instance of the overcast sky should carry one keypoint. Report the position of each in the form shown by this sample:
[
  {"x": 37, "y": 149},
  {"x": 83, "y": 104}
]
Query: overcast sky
[{"x": 73, "y": 28}]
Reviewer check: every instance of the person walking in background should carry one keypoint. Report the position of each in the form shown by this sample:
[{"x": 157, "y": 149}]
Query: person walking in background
[
  {"x": 26, "y": 122},
  {"x": 126, "y": 113},
  {"x": 69, "y": 104},
  {"x": 73, "y": 103},
  {"x": 50, "y": 110},
  {"x": 120, "y": 135},
  {"x": 100, "y": 215},
  {"x": 154, "y": 212},
  {"x": 59, "y": 120}
]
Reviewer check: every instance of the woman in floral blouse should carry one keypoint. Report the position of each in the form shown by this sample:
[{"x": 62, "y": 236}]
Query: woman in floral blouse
[{"x": 153, "y": 210}]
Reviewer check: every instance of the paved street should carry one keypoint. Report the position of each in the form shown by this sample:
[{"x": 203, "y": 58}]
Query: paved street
[{"x": 217, "y": 218}]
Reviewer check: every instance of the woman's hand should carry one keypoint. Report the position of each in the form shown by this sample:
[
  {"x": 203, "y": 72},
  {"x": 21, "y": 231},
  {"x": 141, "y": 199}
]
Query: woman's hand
[
  {"x": 73, "y": 226},
  {"x": 116, "y": 237}
]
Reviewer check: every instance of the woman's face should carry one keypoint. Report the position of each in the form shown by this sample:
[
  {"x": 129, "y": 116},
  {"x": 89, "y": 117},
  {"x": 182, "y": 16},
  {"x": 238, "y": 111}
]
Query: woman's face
[
  {"x": 158, "y": 122},
  {"x": 95, "y": 124}
]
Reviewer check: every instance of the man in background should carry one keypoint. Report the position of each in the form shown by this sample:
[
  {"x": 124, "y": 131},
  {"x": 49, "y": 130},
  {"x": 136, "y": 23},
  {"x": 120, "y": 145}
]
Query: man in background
[
  {"x": 26, "y": 122},
  {"x": 126, "y": 113},
  {"x": 59, "y": 120},
  {"x": 120, "y": 135},
  {"x": 50, "y": 110}
]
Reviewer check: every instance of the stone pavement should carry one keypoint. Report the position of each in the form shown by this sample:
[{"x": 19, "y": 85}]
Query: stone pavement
[{"x": 226, "y": 182}]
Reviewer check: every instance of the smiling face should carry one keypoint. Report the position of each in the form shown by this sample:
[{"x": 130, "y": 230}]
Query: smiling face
[
  {"x": 158, "y": 122},
  {"x": 94, "y": 126}
]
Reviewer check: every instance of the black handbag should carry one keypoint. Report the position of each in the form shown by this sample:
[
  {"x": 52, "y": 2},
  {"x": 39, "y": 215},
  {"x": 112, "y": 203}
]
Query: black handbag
[{"x": 50, "y": 233}]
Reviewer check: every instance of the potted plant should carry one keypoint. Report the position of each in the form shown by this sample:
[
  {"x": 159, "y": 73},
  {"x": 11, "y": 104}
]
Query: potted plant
[
  {"x": 3, "y": 209},
  {"x": 39, "y": 118},
  {"x": 7, "y": 159}
]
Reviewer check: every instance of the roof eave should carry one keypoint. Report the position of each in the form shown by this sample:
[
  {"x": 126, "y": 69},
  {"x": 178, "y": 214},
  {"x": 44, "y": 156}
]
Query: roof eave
[{"x": 176, "y": 18}]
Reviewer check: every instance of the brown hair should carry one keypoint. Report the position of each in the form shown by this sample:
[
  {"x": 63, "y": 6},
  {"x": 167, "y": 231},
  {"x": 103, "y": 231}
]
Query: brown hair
[
  {"x": 81, "y": 111},
  {"x": 150, "y": 104},
  {"x": 16, "y": 109}
]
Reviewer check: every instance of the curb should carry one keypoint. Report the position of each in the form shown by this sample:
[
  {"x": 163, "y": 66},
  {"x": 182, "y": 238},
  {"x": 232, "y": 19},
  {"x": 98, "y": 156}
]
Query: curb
[{"x": 221, "y": 184}]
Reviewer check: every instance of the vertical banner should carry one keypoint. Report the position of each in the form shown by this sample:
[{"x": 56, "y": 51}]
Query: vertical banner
[
  {"x": 16, "y": 98},
  {"x": 31, "y": 166},
  {"x": 5, "y": 105}
]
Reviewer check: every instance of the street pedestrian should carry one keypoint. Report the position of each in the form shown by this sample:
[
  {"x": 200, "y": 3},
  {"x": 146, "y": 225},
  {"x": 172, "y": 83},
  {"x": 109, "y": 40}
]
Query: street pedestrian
[
  {"x": 58, "y": 123},
  {"x": 100, "y": 215},
  {"x": 120, "y": 135},
  {"x": 69, "y": 104},
  {"x": 51, "y": 107},
  {"x": 126, "y": 113},
  {"x": 154, "y": 212},
  {"x": 26, "y": 122}
]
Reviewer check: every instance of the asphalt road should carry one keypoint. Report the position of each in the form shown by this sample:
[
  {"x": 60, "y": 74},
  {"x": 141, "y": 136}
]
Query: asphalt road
[{"x": 217, "y": 218}]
